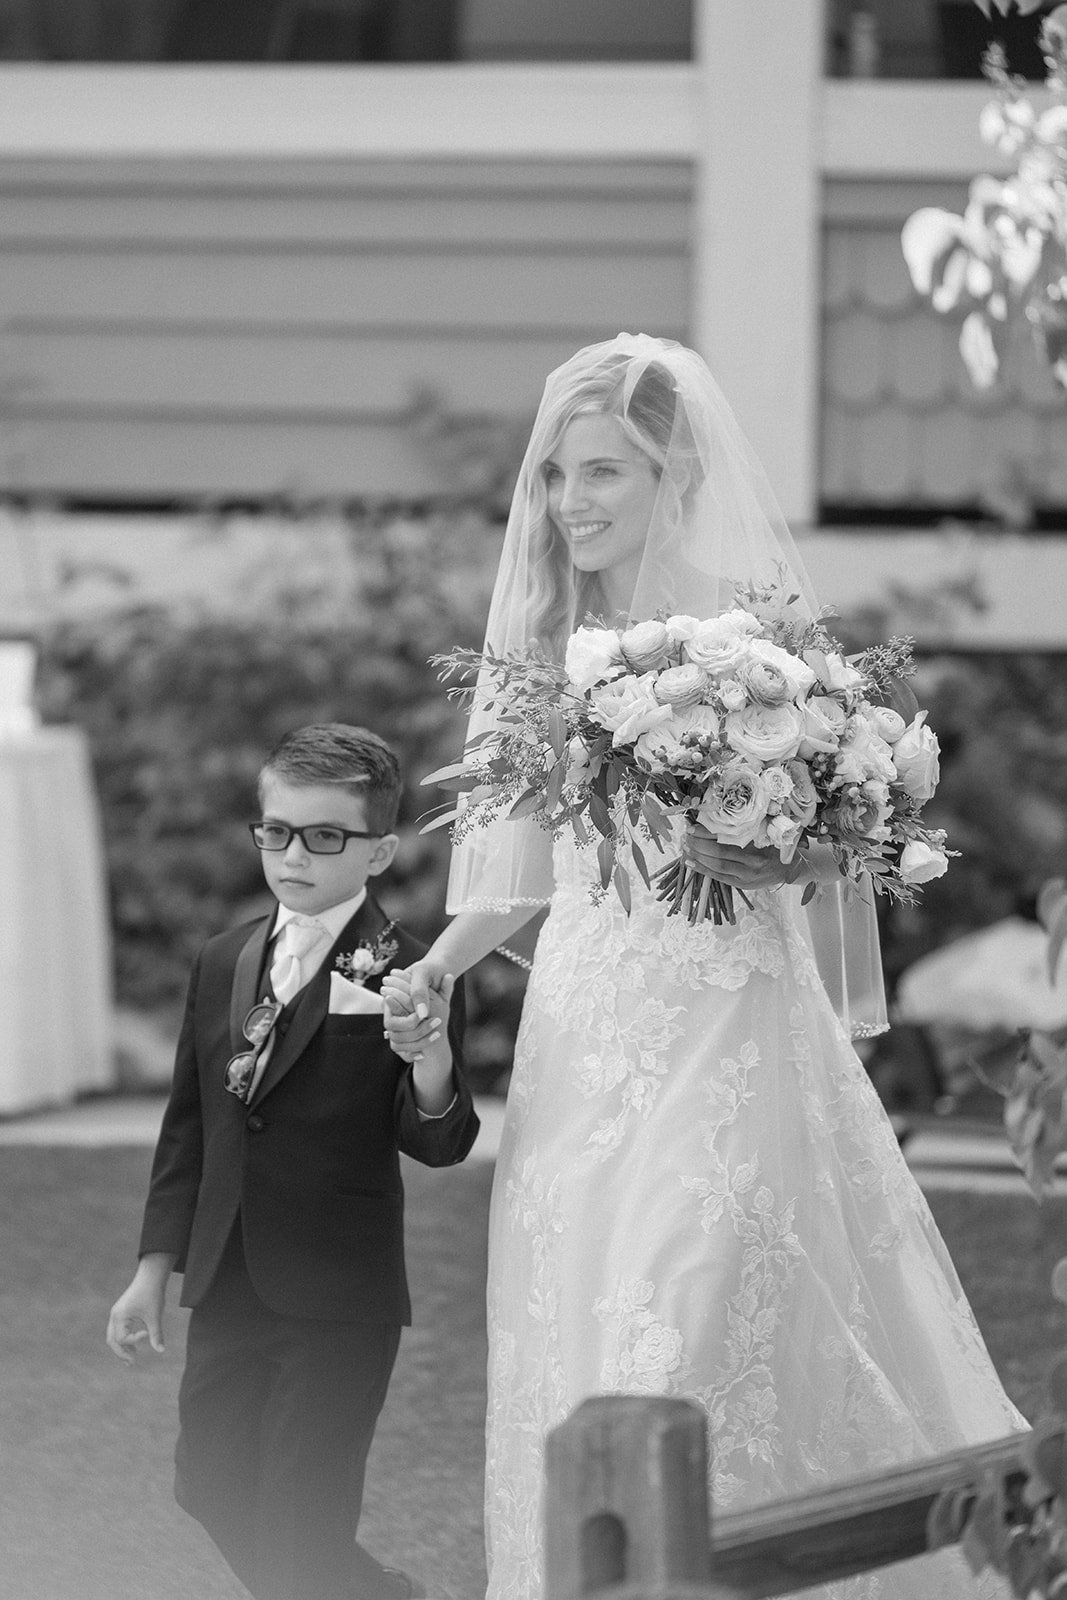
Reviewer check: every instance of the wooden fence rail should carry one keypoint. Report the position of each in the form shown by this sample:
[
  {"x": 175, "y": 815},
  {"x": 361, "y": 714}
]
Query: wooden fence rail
[{"x": 627, "y": 1512}]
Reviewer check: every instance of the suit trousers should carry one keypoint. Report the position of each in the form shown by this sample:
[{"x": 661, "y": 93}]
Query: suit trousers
[{"x": 277, "y": 1414}]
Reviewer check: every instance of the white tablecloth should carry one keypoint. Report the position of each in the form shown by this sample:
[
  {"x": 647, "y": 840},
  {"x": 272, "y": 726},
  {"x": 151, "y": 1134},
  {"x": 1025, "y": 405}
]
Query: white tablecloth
[{"x": 55, "y": 947}]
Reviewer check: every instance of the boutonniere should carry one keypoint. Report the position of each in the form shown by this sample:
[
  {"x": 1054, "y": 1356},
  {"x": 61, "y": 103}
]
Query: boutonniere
[{"x": 366, "y": 960}]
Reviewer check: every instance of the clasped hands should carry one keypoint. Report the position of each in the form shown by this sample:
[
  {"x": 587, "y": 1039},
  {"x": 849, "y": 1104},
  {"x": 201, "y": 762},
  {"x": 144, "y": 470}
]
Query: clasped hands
[{"x": 417, "y": 1000}]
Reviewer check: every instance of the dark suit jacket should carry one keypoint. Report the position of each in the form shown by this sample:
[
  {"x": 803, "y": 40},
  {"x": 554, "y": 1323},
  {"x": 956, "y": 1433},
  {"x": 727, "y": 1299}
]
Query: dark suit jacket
[{"x": 311, "y": 1164}]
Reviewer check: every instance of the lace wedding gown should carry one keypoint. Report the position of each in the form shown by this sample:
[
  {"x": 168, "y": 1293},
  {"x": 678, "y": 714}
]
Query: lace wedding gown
[{"x": 698, "y": 1193}]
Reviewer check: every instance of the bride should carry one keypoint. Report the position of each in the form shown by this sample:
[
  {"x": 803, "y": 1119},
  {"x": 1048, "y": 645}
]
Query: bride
[{"x": 697, "y": 1191}]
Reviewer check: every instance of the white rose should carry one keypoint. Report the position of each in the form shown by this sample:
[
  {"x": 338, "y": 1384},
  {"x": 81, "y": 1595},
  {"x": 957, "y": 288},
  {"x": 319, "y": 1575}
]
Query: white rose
[
  {"x": 797, "y": 674},
  {"x": 593, "y": 654},
  {"x": 662, "y": 749},
  {"x": 720, "y": 644},
  {"x": 734, "y": 809},
  {"x": 578, "y": 765},
  {"x": 833, "y": 671},
  {"x": 732, "y": 694},
  {"x": 915, "y": 756},
  {"x": 765, "y": 733},
  {"x": 784, "y": 835},
  {"x": 920, "y": 862},
  {"x": 681, "y": 628},
  {"x": 824, "y": 723},
  {"x": 360, "y": 965},
  {"x": 861, "y": 739},
  {"x": 779, "y": 783},
  {"x": 628, "y": 707},
  {"x": 645, "y": 646}
]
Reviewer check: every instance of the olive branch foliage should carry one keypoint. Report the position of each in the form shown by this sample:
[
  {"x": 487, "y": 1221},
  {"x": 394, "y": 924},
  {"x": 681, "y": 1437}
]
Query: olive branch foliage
[{"x": 1020, "y": 1529}]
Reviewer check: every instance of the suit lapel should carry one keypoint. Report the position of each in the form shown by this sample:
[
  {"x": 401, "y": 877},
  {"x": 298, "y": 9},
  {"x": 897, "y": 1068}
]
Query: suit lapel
[
  {"x": 246, "y": 988},
  {"x": 312, "y": 1004}
]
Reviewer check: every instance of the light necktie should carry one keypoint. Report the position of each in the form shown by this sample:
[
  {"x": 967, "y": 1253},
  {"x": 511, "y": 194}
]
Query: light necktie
[{"x": 288, "y": 972}]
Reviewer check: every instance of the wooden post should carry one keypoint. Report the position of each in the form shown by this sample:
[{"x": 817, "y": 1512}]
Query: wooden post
[{"x": 626, "y": 1501}]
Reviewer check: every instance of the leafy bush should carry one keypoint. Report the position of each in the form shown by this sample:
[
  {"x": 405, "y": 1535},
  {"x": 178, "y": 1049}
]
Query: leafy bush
[{"x": 181, "y": 707}]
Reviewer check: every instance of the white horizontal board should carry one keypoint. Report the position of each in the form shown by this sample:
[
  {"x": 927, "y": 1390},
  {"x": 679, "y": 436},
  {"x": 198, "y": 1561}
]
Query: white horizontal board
[
  {"x": 449, "y": 288},
  {"x": 355, "y": 219},
  {"x": 1022, "y": 579},
  {"x": 147, "y": 458},
  {"x": 458, "y": 109},
  {"x": 345, "y": 372}
]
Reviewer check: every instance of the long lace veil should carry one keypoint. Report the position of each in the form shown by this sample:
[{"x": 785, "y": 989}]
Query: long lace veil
[{"x": 714, "y": 524}]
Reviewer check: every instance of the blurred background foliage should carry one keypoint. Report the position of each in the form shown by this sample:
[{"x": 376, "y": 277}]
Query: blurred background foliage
[{"x": 182, "y": 701}]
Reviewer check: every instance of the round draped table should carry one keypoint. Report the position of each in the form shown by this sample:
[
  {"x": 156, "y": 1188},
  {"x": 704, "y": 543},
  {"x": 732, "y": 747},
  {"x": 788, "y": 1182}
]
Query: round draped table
[{"x": 55, "y": 947}]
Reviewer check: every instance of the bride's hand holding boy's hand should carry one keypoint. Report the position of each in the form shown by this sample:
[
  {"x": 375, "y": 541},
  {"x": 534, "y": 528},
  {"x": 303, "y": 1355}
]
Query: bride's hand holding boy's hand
[
  {"x": 423, "y": 978},
  {"x": 406, "y": 1030},
  {"x": 744, "y": 867}
]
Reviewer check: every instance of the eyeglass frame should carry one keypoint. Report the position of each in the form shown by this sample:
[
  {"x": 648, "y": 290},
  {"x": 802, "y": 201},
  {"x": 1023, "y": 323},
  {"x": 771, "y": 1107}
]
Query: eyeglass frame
[
  {"x": 258, "y": 1036},
  {"x": 301, "y": 834}
]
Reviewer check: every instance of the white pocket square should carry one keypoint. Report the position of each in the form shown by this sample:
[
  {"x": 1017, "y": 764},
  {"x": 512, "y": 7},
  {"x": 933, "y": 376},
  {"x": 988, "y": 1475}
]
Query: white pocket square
[{"x": 350, "y": 999}]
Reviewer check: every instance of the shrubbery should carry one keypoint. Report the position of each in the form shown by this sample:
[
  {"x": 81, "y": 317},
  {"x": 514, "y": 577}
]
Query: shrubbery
[{"x": 181, "y": 705}]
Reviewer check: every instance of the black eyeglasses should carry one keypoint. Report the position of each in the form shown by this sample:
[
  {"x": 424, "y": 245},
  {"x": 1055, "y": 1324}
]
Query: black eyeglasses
[
  {"x": 318, "y": 838},
  {"x": 257, "y": 1029}
]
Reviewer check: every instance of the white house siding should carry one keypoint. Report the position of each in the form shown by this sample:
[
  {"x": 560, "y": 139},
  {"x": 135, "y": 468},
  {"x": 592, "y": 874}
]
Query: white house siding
[
  {"x": 245, "y": 328},
  {"x": 902, "y": 423}
]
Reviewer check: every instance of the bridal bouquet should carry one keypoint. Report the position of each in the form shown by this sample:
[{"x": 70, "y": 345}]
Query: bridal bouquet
[{"x": 752, "y": 723}]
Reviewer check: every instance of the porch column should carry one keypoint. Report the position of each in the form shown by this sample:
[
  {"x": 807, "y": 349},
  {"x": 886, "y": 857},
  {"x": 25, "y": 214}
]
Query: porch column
[{"x": 755, "y": 295}]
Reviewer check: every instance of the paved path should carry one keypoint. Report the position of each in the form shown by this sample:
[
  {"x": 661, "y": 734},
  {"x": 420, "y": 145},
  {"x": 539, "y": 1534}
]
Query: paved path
[{"x": 941, "y": 1157}]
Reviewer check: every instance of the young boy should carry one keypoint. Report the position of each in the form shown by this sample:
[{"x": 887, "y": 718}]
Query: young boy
[{"x": 276, "y": 1184}]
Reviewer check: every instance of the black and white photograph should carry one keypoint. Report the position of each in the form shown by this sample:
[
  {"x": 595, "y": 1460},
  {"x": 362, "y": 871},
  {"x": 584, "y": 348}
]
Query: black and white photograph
[{"x": 533, "y": 773}]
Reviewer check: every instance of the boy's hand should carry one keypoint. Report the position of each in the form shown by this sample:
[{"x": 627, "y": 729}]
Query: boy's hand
[
  {"x": 137, "y": 1314},
  {"x": 411, "y": 1036}
]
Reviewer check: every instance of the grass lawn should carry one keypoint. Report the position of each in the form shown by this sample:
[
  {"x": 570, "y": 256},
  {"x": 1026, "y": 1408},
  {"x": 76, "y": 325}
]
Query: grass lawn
[{"x": 85, "y": 1445}]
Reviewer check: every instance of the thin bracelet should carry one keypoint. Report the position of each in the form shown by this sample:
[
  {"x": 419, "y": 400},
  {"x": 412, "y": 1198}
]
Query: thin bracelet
[{"x": 512, "y": 955}]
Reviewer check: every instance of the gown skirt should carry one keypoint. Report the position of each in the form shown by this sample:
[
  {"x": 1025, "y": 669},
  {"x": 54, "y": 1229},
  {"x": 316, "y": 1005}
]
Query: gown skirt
[{"x": 699, "y": 1194}]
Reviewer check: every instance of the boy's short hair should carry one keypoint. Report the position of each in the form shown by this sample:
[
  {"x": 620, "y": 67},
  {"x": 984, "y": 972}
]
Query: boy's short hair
[{"x": 353, "y": 758}]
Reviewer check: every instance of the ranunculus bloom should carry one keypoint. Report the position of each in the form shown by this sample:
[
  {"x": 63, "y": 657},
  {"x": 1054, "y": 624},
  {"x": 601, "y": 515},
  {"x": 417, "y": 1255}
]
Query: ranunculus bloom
[
  {"x": 764, "y": 683},
  {"x": 888, "y": 724},
  {"x": 645, "y": 646},
  {"x": 766, "y": 733},
  {"x": 592, "y": 655},
  {"x": 681, "y": 686},
  {"x": 919, "y": 862},
  {"x": 735, "y": 805},
  {"x": 916, "y": 758},
  {"x": 797, "y": 674},
  {"x": 628, "y": 707}
]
